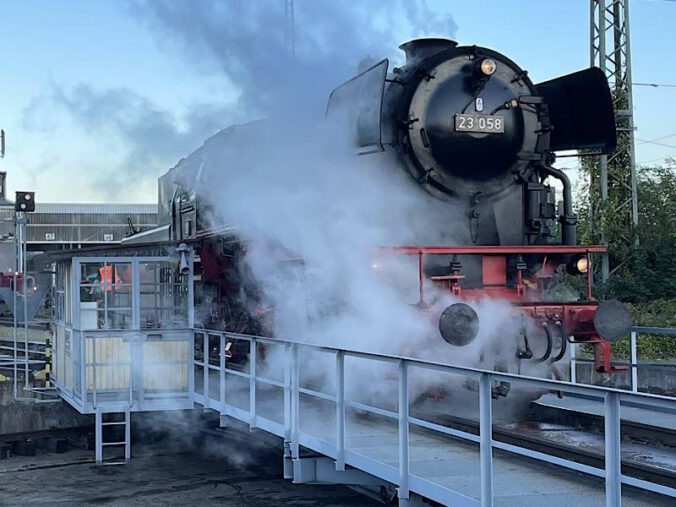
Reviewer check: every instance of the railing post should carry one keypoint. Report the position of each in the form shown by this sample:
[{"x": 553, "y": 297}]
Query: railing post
[
  {"x": 221, "y": 373},
  {"x": 98, "y": 436},
  {"x": 131, "y": 374},
  {"x": 486, "y": 440},
  {"x": 252, "y": 384},
  {"x": 288, "y": 411},
  {"x": 138, "y": 339},
  {"x": 94, "y": 338},
  {"x": 287, "y": 392},
  {"x": 612, "y": 450},
  {"x": 127, "y": 434},
  {"x": 573, "y": 362},
  {"x": 83, "y": 367},
  {"x": 191, "y": 366},
  {"x": 205, "y": 369},
  {"x": 403, "y": 491},
  {"x": 634, "y": 363},
  {"x": 295, "y": 401},
  {"x": 288, "y": 457},
  {"x": 340, "y": 411}
]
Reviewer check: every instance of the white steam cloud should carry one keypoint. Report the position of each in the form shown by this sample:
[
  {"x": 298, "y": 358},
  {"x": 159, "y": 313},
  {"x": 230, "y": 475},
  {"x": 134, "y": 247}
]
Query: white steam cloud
[
  {"x": 297, "y": 192},
  {"x": 294, "y": 190}
]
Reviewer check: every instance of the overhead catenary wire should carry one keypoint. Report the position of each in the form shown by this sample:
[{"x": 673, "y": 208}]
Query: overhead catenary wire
[
  {"x": 646, "y": 141},
  {"x": 656, "y": 85},
  {"x": 657, "y": 138}
]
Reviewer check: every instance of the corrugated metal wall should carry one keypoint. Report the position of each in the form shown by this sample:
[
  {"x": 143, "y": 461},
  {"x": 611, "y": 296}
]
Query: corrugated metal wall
[{"x": 82, "y": 223}]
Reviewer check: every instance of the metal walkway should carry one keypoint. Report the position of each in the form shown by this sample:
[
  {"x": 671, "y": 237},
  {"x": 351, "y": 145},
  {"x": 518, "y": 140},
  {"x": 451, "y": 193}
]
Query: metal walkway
[{"x": 377, "y": 444}]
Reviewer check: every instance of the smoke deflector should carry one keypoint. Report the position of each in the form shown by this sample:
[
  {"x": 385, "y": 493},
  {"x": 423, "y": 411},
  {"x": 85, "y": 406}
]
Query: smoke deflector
[
  {"x": 359, "y": 102},
  {"x": 581, "y": 111}
]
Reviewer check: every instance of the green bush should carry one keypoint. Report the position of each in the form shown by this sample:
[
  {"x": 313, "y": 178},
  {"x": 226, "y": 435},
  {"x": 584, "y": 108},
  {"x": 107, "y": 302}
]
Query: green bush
[
  {"x": 656, "y": 313},
  {"x": 643, "y": 277}
]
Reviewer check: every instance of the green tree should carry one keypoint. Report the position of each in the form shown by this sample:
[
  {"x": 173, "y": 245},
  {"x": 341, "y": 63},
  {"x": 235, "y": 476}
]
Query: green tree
[{"x": 648, "y": 272}]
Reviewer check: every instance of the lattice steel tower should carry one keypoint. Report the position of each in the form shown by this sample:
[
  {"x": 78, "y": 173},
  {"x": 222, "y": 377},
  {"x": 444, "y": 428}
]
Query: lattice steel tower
[
  {"x": 290, "y": 29},
  {"x": 613, "y": 189}
]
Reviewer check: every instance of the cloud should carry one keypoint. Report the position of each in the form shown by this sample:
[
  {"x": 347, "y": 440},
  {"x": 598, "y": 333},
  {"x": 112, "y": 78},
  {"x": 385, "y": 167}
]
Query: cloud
[{"x": 142, "y": 138}]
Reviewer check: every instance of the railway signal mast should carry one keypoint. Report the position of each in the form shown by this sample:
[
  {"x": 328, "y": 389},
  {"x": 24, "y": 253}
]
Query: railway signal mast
[{"x": 613, "y": 189}]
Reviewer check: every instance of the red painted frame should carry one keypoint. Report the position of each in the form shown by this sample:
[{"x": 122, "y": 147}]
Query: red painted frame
[
  {"x": 587, "y": 250},
  {"x": 602, "y": 354}
]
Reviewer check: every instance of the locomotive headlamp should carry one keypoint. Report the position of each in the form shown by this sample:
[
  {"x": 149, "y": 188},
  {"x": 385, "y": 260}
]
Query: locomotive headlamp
[
  {"x": 578, "y": 265},
  {"x": 488, "y": 66},
  {"x": 582, "y": 264}
]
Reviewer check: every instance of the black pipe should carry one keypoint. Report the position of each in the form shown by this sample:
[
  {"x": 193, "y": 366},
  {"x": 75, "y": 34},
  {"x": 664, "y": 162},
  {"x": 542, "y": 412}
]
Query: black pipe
[
  {"x": 526, "y": 353},
  {"x": 567, "y": 219},
  {"x": 548, "y": 352},
  {"x": 564, "y": 345}
]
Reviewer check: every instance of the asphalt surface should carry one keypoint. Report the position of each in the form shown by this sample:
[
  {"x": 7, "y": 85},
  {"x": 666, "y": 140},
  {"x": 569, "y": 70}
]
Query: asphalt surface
[{"x": 203, "y": 471}]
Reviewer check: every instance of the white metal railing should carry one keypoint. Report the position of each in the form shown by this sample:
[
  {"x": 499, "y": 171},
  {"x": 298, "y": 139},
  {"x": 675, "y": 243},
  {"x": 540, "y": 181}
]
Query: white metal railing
[
  {"x": 406, "y": 481},
  {"x": 634, "y": 364}
]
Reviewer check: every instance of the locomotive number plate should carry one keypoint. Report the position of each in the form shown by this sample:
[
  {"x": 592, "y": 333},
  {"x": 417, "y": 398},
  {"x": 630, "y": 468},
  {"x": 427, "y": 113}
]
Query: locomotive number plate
[{"x": 483, "y": 123}]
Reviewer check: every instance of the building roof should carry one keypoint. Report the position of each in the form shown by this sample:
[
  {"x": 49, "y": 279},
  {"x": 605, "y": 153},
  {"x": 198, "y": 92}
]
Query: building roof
[{"x": 101, "y": 208}]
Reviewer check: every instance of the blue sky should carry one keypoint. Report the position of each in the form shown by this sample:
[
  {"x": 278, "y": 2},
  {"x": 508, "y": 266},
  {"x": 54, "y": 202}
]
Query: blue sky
[{"x": 100, "y": 98}]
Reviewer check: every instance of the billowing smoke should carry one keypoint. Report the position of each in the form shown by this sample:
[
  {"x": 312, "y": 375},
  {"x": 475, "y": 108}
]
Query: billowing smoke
[
  {"x": 246, "y": 42},
  {"x": 298, "y": 192},
  {"x": 313, "y": 214}
]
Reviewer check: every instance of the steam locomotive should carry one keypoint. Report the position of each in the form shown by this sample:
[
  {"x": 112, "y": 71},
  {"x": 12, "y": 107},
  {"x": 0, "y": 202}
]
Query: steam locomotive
[{"x": 470, "y": 127}]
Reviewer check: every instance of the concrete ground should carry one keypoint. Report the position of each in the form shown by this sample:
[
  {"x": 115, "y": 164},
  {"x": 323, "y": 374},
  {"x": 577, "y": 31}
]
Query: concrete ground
[{"x": 203, "y": 471}]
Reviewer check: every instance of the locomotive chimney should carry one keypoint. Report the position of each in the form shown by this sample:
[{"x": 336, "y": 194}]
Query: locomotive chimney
[{"x": 419, "y": 49}]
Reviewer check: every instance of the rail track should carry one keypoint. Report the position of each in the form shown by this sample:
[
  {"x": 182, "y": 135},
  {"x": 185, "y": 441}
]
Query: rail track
[{"x": 652, "y": 459}]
